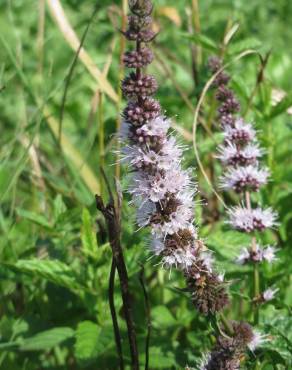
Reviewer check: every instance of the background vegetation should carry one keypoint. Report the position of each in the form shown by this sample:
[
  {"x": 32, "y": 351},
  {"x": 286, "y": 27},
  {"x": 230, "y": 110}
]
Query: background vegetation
[{"x": 55, "y": 259}]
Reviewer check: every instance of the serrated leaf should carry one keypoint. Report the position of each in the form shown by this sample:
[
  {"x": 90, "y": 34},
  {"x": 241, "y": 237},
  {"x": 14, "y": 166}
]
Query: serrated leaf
[
  {"x": 248, "y": 43},
  {"x": 47, "y": 339},
  {"x": 280, "y": 346},
  {"x": 89, "y": 245},
  {"x": 87, "y": 335},
  {"x": 92, "y": 341},
  {"x": 54, "y": 271},
  {"x": 34, "y": 217}
]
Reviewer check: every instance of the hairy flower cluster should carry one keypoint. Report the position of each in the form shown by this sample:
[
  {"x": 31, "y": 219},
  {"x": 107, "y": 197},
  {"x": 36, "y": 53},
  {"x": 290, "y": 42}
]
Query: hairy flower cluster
[
  {"x": 240, "y": 154},
  {"x": 208, "y": 294},
  {"x": 244, "y": 178},
  {"x": 269, "y": 294},
  {"x": 161, "y": 189},
  {"x": 249, "y": 220},
  {"x": 228, "y": 351},
  {"x": 258, "y": 255}
]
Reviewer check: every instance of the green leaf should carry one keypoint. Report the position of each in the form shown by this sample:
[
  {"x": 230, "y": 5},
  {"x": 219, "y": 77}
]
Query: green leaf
[
  {"x": 162, "y": 317},
  {"x": 226, "y": 243},
  {"x": 248, "y": 43},
  {"x": 86, "y": 347},
  {"x": 42, "y": 341},
  {"x": 281, "y": 107},
  {"x": 276, "y": 355},
  {"x": 47, "y": 339},
  {"x": 54, "y": 271},
  {"x": 87, "y": 336},
  {"x": 209, "y": 144},
  {"x": 92, "y": 341},
  {"x": 87, "y": 235},
  {"x": 59, "y": 206},
  {"x": 160, "y": 359},
  {"x": 10, "y": 345},
  {"x": 241, "y": 88},
  {"x": 34, "y": 217},
  {"x": 279, "y": 346},
  {"x": 202, "y": 40}
]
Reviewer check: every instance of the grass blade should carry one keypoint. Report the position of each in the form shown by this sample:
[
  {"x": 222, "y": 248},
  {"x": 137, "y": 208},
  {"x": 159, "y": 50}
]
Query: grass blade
[{"x": 70, "y": 36}]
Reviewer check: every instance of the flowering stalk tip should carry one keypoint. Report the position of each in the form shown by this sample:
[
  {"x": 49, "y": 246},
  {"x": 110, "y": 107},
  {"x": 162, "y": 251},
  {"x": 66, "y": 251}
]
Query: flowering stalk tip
[
  {"x": 240, "y": 154},
  {"x": 228, "y": 352},
  {"x": 161, "y": 189}
]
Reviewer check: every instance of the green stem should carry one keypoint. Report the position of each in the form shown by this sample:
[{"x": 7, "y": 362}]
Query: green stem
[
  {"x": 256, "y": 273},
  {"x": 256, "y": 291},
  {"x": 226, "y": 324},
  {"x": 101, "y": 139},
  {"x": 124, "y": 9},
  {"x": 211, "y": 112},
  {"x": 257, "y": 365}
]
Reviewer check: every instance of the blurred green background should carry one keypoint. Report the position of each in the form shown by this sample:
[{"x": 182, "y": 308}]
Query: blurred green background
[{"x": 59, "y": 113}]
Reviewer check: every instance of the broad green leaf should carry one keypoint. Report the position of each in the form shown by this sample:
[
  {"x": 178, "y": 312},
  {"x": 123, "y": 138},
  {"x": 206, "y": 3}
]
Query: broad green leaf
[
  {"x": 88, "y": 236},
  {"x": 87, "y": 335},
  {"x": 161, "y": 360},
  {"x": 227, "y": 243},
  {"x": 248, "y": 43},
  {"x": 279, "y": 346},
  {"x": 42, "y": 341},
  {"x": 162, "y": 317},
  {"x": 34, "y": 217},
  {"x": 10, "y": 345},
  {"x": 54, "y": 271},
  {"x": 47, "y": 339},
  {"x": 92, "y": 341}
]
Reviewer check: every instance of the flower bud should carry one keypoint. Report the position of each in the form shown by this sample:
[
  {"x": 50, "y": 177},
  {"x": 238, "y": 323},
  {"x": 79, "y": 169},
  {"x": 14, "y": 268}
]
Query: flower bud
[
  {"x": 138, "y": 59},
  {"x": 141, "y": 112},
  {"x": 142, "y": 86}
]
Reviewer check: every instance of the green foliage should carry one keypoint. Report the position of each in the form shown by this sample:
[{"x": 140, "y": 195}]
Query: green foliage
[
  {"x": 162, "y": 317},
  {"x": 43, "y": 341},
  {"x": 204, "y": 41},
  {"x": 92, "y": 341},
  {"x": 46, "y": 340},
  {"x": 279, "y": 347},
  {"x": 54, "y": 256},
  {"x": 88, "y": 237},
  {"x": 281, "y": 107},
  {"x": 56, "y": 272}
]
